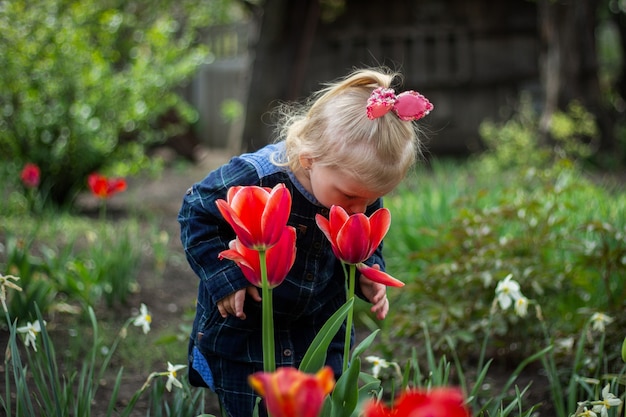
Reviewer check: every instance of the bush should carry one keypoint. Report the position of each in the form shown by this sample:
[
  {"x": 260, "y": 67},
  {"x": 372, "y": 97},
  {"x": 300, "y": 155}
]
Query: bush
[
  {"x": 84, "y": 83},
  {"x": 521, "y": 208}
]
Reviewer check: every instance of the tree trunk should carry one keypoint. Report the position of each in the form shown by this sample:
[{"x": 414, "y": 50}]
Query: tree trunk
[
  {"x": 568, "y": 61},
  {"x": 287, "y": 30}
]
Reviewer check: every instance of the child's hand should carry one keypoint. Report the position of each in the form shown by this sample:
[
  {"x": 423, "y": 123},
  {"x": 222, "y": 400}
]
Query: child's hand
[
  {"x": 233, "y": 304},
  {"x": 376, "y": 293}
]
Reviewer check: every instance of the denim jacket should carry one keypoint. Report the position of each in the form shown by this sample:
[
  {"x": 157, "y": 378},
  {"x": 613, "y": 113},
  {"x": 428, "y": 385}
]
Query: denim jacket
[{"x": 312, "y": 291}]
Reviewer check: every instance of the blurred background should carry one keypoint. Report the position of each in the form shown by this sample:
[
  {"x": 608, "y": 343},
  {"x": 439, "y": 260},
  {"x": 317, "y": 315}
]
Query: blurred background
[{"x": 97, "y": 85}]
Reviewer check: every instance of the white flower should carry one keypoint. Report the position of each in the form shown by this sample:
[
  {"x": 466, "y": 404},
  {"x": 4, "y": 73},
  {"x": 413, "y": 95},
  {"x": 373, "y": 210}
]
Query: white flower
[
  {"x": 608, "y": 400},
  {"x": 521, "y": 306},
  {"x": 6, "y": 283},
  {"x": 565, "y": 344},
  {"x": 171, "y": 376},
  {"x": 31, "y": 330},
  {"x": 507, "y": 291},
  {"x": 143, "y": 319},
  {"x": 599, "y": 321},
  {"x": 377, "y": 364},
  {"x": 587, "y": 413}
]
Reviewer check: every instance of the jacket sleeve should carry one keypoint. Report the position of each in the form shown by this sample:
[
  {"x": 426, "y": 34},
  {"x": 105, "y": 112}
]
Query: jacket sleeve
[{"x": 204, "y": 232}]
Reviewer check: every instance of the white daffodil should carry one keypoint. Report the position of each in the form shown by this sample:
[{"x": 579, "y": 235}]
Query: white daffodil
[
  {"x": 171, "y": 376},
  {"x": 599, "y": 321},
  {"x": 564, "y": 345},
  {"x": 507, "y": 291},
  {"x": 608, "y": 400},
  {"x": 587, "y": 413},
  {"x": 521, "y": 306},
  {"x": 30, "y": 331},
  {"x": 143, "y": 319},
  {"x": 377, "y": 364},
  {"x": 5, "y": 282}
]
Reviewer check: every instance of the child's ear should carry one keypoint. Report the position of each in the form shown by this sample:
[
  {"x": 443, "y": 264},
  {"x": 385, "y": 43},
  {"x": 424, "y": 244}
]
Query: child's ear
[{"x": 305, "y": 161}]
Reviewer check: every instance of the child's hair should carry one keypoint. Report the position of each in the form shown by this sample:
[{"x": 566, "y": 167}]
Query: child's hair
[{"x": 334, "y": 130}]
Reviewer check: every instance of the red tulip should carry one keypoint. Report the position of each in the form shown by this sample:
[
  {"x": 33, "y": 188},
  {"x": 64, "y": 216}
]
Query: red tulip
[
  {"x": 258, "y": 215},
  {"x": 103, "y": 187},
  {"x": 279, "y": 258},
  {"x": 438, "y": 402},
  {"x": 30, "y": 175},
  {"x": 289, "y": 392},
  {"x": 354, "y": 238}
]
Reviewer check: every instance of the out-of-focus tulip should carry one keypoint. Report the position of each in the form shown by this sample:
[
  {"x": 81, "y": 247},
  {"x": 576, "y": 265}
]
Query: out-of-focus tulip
[
  {"x": 289, "y": 392},
  {"x": 103, "y": 187},
  {"x": 30, "y": 175},
  {"x": 438, "y": 402},
  {"x": 258, "y": 215}
]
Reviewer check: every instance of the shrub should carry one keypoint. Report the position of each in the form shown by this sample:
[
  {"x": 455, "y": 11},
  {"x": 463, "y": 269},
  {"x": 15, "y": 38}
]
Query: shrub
[
  {"x": 521, "y": 208},
  {"x": 84, "y": 83}
]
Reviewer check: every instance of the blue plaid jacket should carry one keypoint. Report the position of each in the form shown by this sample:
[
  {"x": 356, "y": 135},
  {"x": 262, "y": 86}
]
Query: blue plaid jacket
[{"x": 313, "y": 290}]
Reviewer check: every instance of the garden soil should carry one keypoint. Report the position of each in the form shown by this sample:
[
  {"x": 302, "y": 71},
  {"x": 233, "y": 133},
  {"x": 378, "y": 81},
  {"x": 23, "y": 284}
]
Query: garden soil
[{"x": 171, "y": 296}]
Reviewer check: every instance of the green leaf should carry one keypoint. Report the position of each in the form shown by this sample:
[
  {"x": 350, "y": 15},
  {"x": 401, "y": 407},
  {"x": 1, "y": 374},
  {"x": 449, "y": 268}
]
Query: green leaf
[
  {"x": 345, "y": 396},
  {"x": 315, "y": 356},
  {"x": 369, "y": 391},
  {"x": 364, "y": 344}
]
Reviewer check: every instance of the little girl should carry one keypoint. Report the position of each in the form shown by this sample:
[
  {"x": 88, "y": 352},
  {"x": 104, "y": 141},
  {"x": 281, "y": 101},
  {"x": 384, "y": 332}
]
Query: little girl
[{"x": 349, "y": 146}]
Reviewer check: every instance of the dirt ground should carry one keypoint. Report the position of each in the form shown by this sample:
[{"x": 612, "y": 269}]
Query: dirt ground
[{"x": 171, "y": 295}]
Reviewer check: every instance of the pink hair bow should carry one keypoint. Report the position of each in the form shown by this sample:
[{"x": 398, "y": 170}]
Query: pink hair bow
[{"x": 408, "y": 106}]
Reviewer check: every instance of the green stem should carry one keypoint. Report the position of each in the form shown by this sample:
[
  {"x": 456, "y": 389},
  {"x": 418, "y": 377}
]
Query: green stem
[
  {"x": 346, "y": 348},
  {"x": 483, "y": 347},
  {"x": 269, "y": 359},
  {"x": 103, "y": 213}
]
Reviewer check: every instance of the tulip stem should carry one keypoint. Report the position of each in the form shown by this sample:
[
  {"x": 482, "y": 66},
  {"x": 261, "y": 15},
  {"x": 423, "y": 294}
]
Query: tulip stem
[
  {"x": 269, "y": 359},
  {"x": 346, "y": 349}
]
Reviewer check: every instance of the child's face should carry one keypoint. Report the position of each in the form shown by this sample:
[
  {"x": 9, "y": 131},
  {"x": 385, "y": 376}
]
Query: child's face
[{"x": 336, "y": 186}]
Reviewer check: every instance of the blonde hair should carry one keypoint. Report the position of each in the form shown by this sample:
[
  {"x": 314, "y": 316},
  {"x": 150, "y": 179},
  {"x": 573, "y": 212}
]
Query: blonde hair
[{"x": 333, "y": 129}]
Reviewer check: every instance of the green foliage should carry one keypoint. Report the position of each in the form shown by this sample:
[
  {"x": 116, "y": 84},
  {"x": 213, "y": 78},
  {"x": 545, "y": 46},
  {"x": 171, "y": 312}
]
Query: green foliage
[
  {"x": 58, "y": 388},
  {"x": 519, "y": 143},
  {"x": 524, "y": 207},
  {"x": 85, "y": 85},
  {"x": 521, "y": 208},
  {"x": 63, "y": 261}
]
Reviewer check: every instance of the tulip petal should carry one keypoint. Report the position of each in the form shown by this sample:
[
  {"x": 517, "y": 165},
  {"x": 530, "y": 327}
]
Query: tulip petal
[
  {"x": 289, "y": 392},
  {"x": 353, "y": 239},
  {"x": 337, "y": 217},
  {"x": 326, "y": 379},
  {"x": 379, "y": 276},
  {"x": 248, "y": 204},
  {"x": 238, "y": 226},
  {"x": 324, "y": 225},
  {"x": 246, "y": 259},
  {"x": 281, "y": 257},
  {"x": 275, "y": 214},
  {"x": 380, "y": 222}
]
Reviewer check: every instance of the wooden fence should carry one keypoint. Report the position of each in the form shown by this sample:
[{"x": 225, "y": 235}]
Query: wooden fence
[{"x": 222, "y": 84}]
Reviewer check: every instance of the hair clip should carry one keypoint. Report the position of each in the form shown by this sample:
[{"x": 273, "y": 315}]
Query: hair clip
[{"x": 408, "y": 106}]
